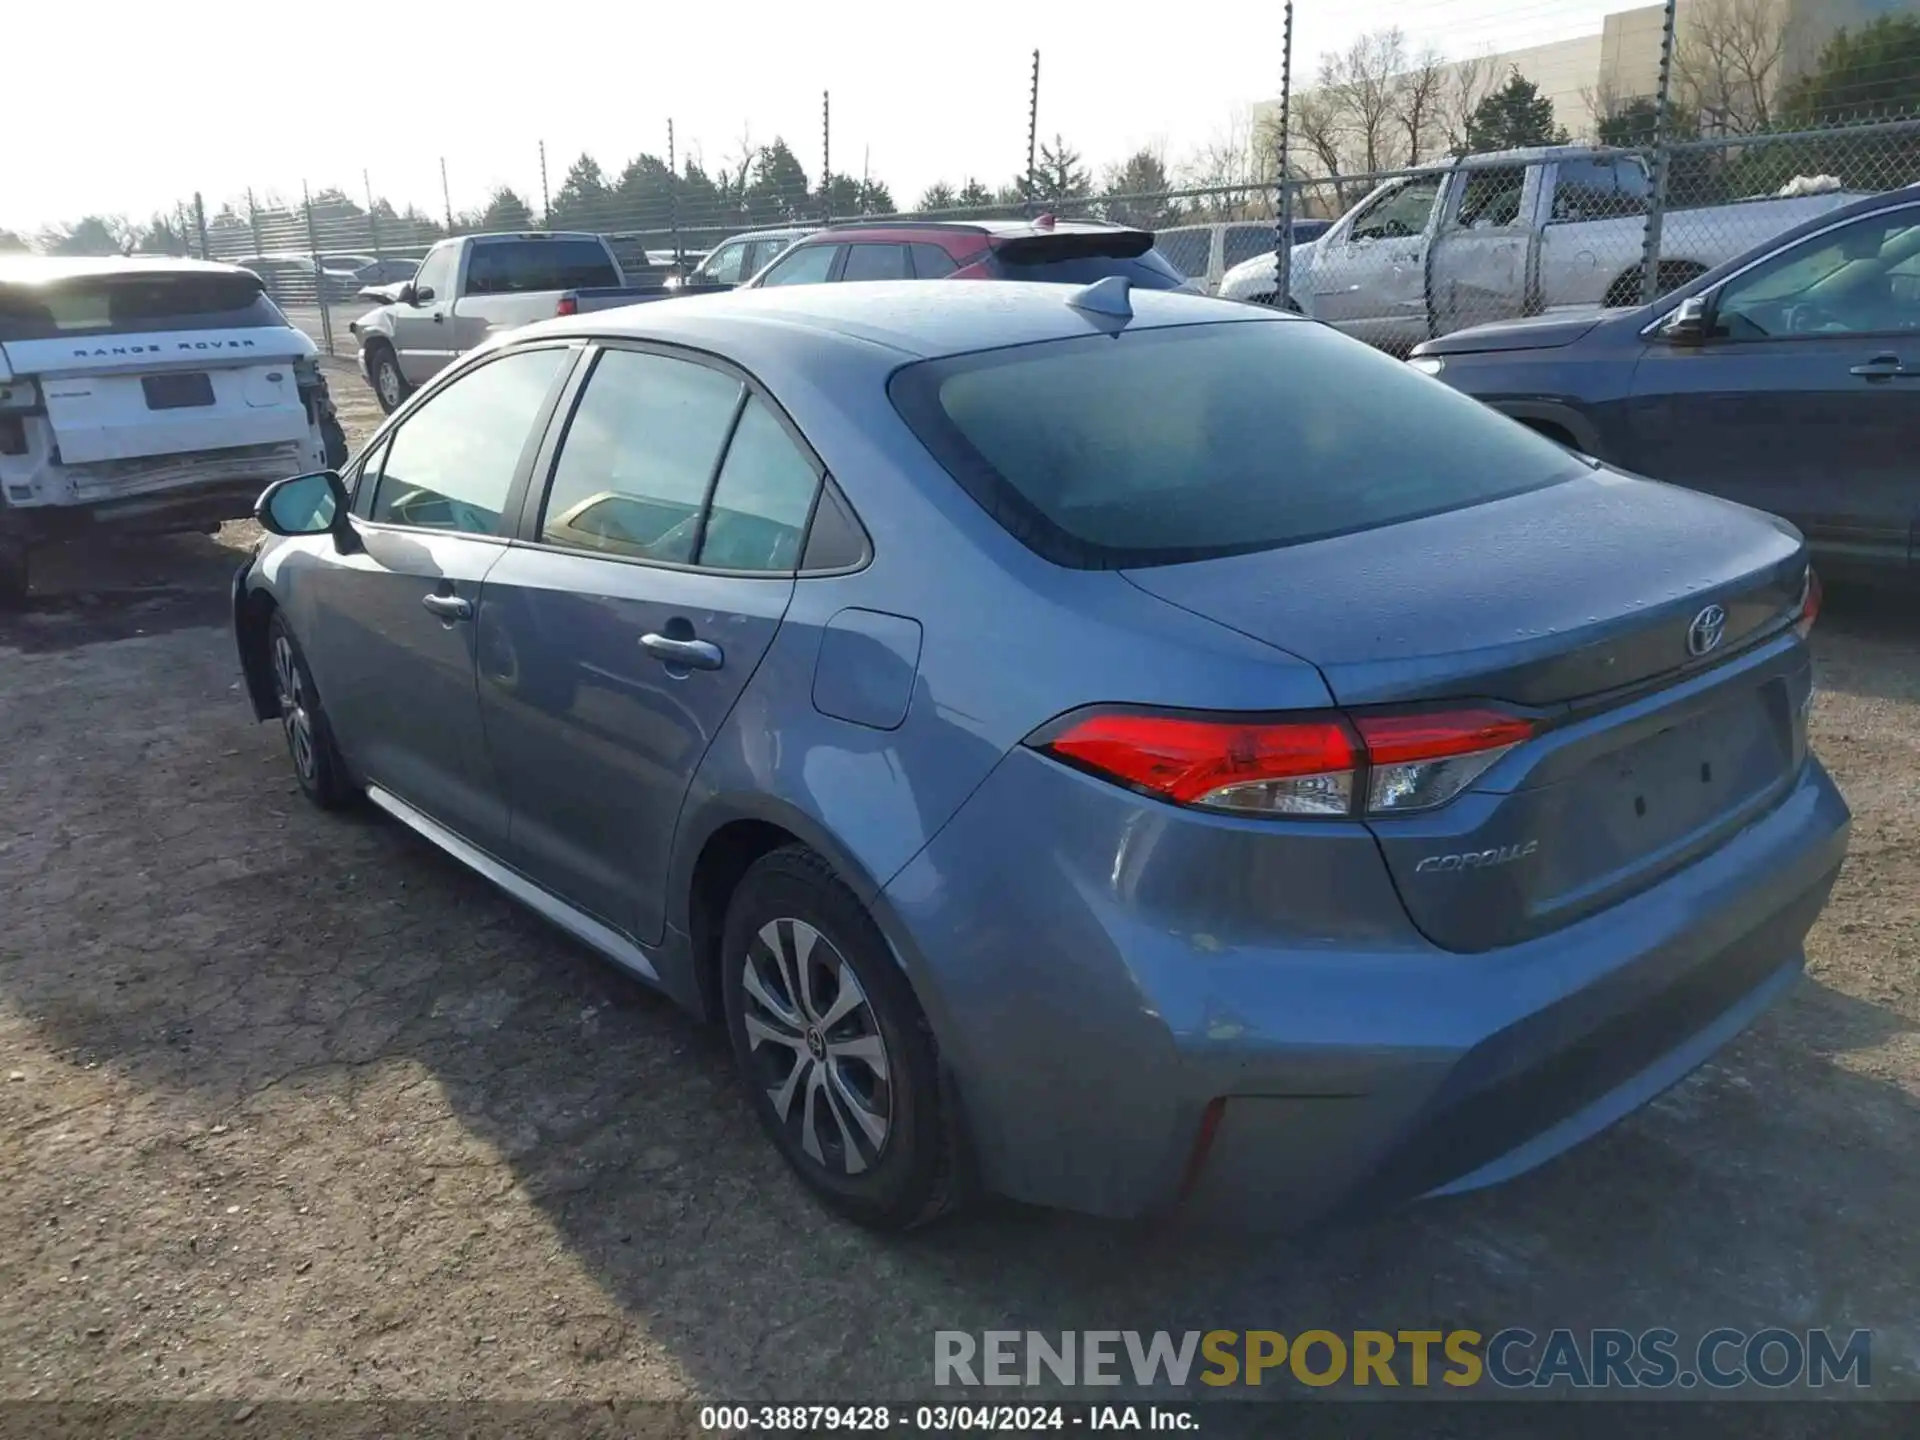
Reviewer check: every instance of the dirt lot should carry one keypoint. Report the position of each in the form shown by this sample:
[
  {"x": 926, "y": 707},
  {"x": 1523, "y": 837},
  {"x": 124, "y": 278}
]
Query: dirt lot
[{"x": 294, "y": 1107}]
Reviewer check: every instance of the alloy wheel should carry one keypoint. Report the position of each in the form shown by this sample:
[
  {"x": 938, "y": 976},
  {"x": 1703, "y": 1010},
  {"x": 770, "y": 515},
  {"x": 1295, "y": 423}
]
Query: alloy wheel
[
  {"x": 294, "y": 717},
  {"x": 817, "y": 1047},
  {"x": 389, "y": 382}
]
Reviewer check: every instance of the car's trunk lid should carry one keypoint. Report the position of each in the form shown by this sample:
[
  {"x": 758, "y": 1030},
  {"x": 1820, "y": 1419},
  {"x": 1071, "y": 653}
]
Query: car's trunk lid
[{"x": 1588, "y": 605}]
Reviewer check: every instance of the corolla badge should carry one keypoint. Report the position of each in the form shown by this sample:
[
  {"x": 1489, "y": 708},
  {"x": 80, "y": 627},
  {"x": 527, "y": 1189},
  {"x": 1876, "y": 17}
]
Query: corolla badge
[
  {"x": 1477, "y": 859},
  {"x": 1705, "y": 631}
]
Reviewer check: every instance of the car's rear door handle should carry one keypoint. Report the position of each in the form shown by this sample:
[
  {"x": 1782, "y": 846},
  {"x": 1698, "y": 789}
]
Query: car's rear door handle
[
  {"x": 448, "y": 607},
  {"x": 692, "y": 654},
  {"x": 1883, "y": 367}
]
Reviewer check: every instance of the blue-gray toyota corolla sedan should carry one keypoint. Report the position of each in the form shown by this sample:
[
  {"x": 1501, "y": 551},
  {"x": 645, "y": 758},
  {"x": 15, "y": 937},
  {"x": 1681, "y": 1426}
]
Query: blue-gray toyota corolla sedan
[{"x": 1122, "y": 751}]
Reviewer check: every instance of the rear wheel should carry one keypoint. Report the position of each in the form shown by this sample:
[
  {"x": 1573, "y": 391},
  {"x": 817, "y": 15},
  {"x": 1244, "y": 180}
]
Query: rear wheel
[
  {"x": 390, "y": 387},
  {"x": 303, "y": 720},
  {"x": 838, "y": 1058}
]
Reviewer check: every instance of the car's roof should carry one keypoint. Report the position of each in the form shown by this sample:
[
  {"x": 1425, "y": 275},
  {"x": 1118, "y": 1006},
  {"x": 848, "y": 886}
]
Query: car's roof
[
  {"x": 52, "y": 269},
  {"x": 911, "y": 318},
  {"x": 778, "y": 232}
]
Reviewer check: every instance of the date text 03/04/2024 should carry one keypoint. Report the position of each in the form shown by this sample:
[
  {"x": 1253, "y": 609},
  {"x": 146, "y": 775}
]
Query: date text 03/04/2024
[{"x": 942, "y": 1419}]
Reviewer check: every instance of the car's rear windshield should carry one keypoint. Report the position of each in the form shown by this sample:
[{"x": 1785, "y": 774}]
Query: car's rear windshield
[
  {"x": 133, "y": 305},
  {"x": 1081, "y": 259},
  {"x": 512, "y": 267},
  {"x": 1158, "y": 446}
]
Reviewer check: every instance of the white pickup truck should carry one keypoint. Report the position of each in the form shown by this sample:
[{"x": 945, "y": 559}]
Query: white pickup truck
[
  {"x": 470, "y": 288},
  {"x": 1504, "y": 235},
  {"x": 146, "y": 394}
]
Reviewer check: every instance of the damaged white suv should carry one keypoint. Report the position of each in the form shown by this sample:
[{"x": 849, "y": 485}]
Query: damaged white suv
[{"x": 146, "y": 395}]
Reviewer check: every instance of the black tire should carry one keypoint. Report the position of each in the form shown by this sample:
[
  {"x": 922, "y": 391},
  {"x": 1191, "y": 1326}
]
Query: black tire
[
  {"x": 14, "y": 572},
  {"x": 390, "y": 387},
  {"x": 317, "y": 765},
  {"x": 333, "y": 439},
  {"x": 911, "y": 1176}
]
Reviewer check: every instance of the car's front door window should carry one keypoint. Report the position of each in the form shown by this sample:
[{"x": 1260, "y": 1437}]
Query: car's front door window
[
  {"x": 806, "y": 265},
  {"x": 451, "y": 463},
  {"x": 436, "y": 273},
  {"x": 725, "y": 266},
  {"x": 1849, "y": 281},
  {"x": 1400, "y": 212}
]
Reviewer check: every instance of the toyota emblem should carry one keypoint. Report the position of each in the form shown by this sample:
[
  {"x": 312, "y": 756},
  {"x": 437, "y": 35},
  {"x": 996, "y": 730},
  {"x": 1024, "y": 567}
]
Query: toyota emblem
[{"x": 1703, "y": 635}]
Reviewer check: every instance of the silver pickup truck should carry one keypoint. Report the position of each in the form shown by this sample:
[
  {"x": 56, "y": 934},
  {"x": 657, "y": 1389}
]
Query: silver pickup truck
[
  {"x": 470, "y": 288},
  {"x": 1503, "y": 235}
]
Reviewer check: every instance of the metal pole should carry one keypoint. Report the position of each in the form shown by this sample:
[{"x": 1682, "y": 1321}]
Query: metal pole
[
  {"x": 200, "y": 225},
  {"x": 319, "y": 281},
  {"x": 546, "y": 204},
  {"x": 673, "y": 196},
  {"x": 373, "y": 216},
  {"x": 1283, "y": 201},
  {"x": 1657, "y": 206},
  {"x": 826, "y": 157},
  {"x": 253, "y": 222},
  {"x": 446, "y": 195},
  {"x": 1033, "y": 127}
]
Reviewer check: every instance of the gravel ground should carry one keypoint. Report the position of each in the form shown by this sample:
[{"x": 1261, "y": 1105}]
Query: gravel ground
[{"x": 294, "y": 1107}]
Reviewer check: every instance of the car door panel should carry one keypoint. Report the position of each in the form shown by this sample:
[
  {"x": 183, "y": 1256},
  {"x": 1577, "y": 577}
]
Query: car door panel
[
  {"x": 1481, "y": 253},
  {"x": 393, "y": 630},
  {"x": 1370, "y": 280},
  {"x": 400, "y": 678},
  {"x": 421, "y": 339},
  {"x": 1785, "y": 426},
  {"x": 595, "y": 737},
  {"x": 1801, "y": 398}
]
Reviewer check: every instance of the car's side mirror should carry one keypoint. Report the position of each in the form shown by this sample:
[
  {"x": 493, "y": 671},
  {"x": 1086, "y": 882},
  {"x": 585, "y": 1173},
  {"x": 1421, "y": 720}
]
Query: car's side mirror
[
  {"x": 421, "y": 295},
  {"x": 404, "y": 293},
  {"x": 313, "y": 504},
  {"x": 1690, "y": 323}
]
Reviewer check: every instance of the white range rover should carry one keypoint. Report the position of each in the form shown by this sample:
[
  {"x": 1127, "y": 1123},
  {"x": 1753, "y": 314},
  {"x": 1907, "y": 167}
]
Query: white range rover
[{"x": 146, "y": 394}]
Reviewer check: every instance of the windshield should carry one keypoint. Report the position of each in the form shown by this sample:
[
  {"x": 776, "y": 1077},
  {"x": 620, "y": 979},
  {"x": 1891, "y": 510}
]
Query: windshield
[
  {"x": 134, "y": 304},
  {"x": 1155, "y": 447}
]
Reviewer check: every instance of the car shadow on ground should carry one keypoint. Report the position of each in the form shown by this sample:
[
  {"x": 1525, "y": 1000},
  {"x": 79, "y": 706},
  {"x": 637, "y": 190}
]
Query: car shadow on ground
[{"x": 102, "y": 587}]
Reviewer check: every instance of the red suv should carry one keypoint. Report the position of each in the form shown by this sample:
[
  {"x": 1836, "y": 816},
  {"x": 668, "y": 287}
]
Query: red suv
[{"x": 1071, "y": 252}]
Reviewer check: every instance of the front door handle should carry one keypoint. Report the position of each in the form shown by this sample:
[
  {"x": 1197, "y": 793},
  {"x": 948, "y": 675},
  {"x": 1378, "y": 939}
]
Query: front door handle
[
  {"x": 1882, "y": 367},
  {"x": 448, "y": 607},
  {"x": 689, "y": 654},
  {"x": 438, "y": 317}
]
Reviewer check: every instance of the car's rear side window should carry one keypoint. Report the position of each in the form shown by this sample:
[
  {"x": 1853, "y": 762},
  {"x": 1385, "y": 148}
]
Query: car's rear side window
[
  {"x": 640, "y": 456},
  {"x": 134, "y": 304},
  {"x": 514, "y": 267},
  {"x": 1154, "y": 447}
]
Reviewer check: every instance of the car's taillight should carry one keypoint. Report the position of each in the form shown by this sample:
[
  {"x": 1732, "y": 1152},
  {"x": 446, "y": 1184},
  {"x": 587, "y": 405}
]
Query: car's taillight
[
  {"x": 569, "y": 305},
  {"x": 1315, "y": 765},
  {"x": 1418, "y": 761},
  {"x": 1809, "y": 609}
]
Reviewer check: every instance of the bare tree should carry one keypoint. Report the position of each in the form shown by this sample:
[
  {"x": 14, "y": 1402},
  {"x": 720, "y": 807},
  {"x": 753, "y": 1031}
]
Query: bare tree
[
  {"x": 1417, "y": 107},
  {"x": 1365, "y": 81},
  {"x": 1468, "y": 83},
  {"x": 1237, "y": 159},
  {"x": 1726, "y": 62}
]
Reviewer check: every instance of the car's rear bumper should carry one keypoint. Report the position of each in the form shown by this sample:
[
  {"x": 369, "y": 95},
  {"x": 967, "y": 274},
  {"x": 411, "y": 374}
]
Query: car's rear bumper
[
  {"x": 189, "y": 507},
  {"x": 1099, "y": 989}
]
